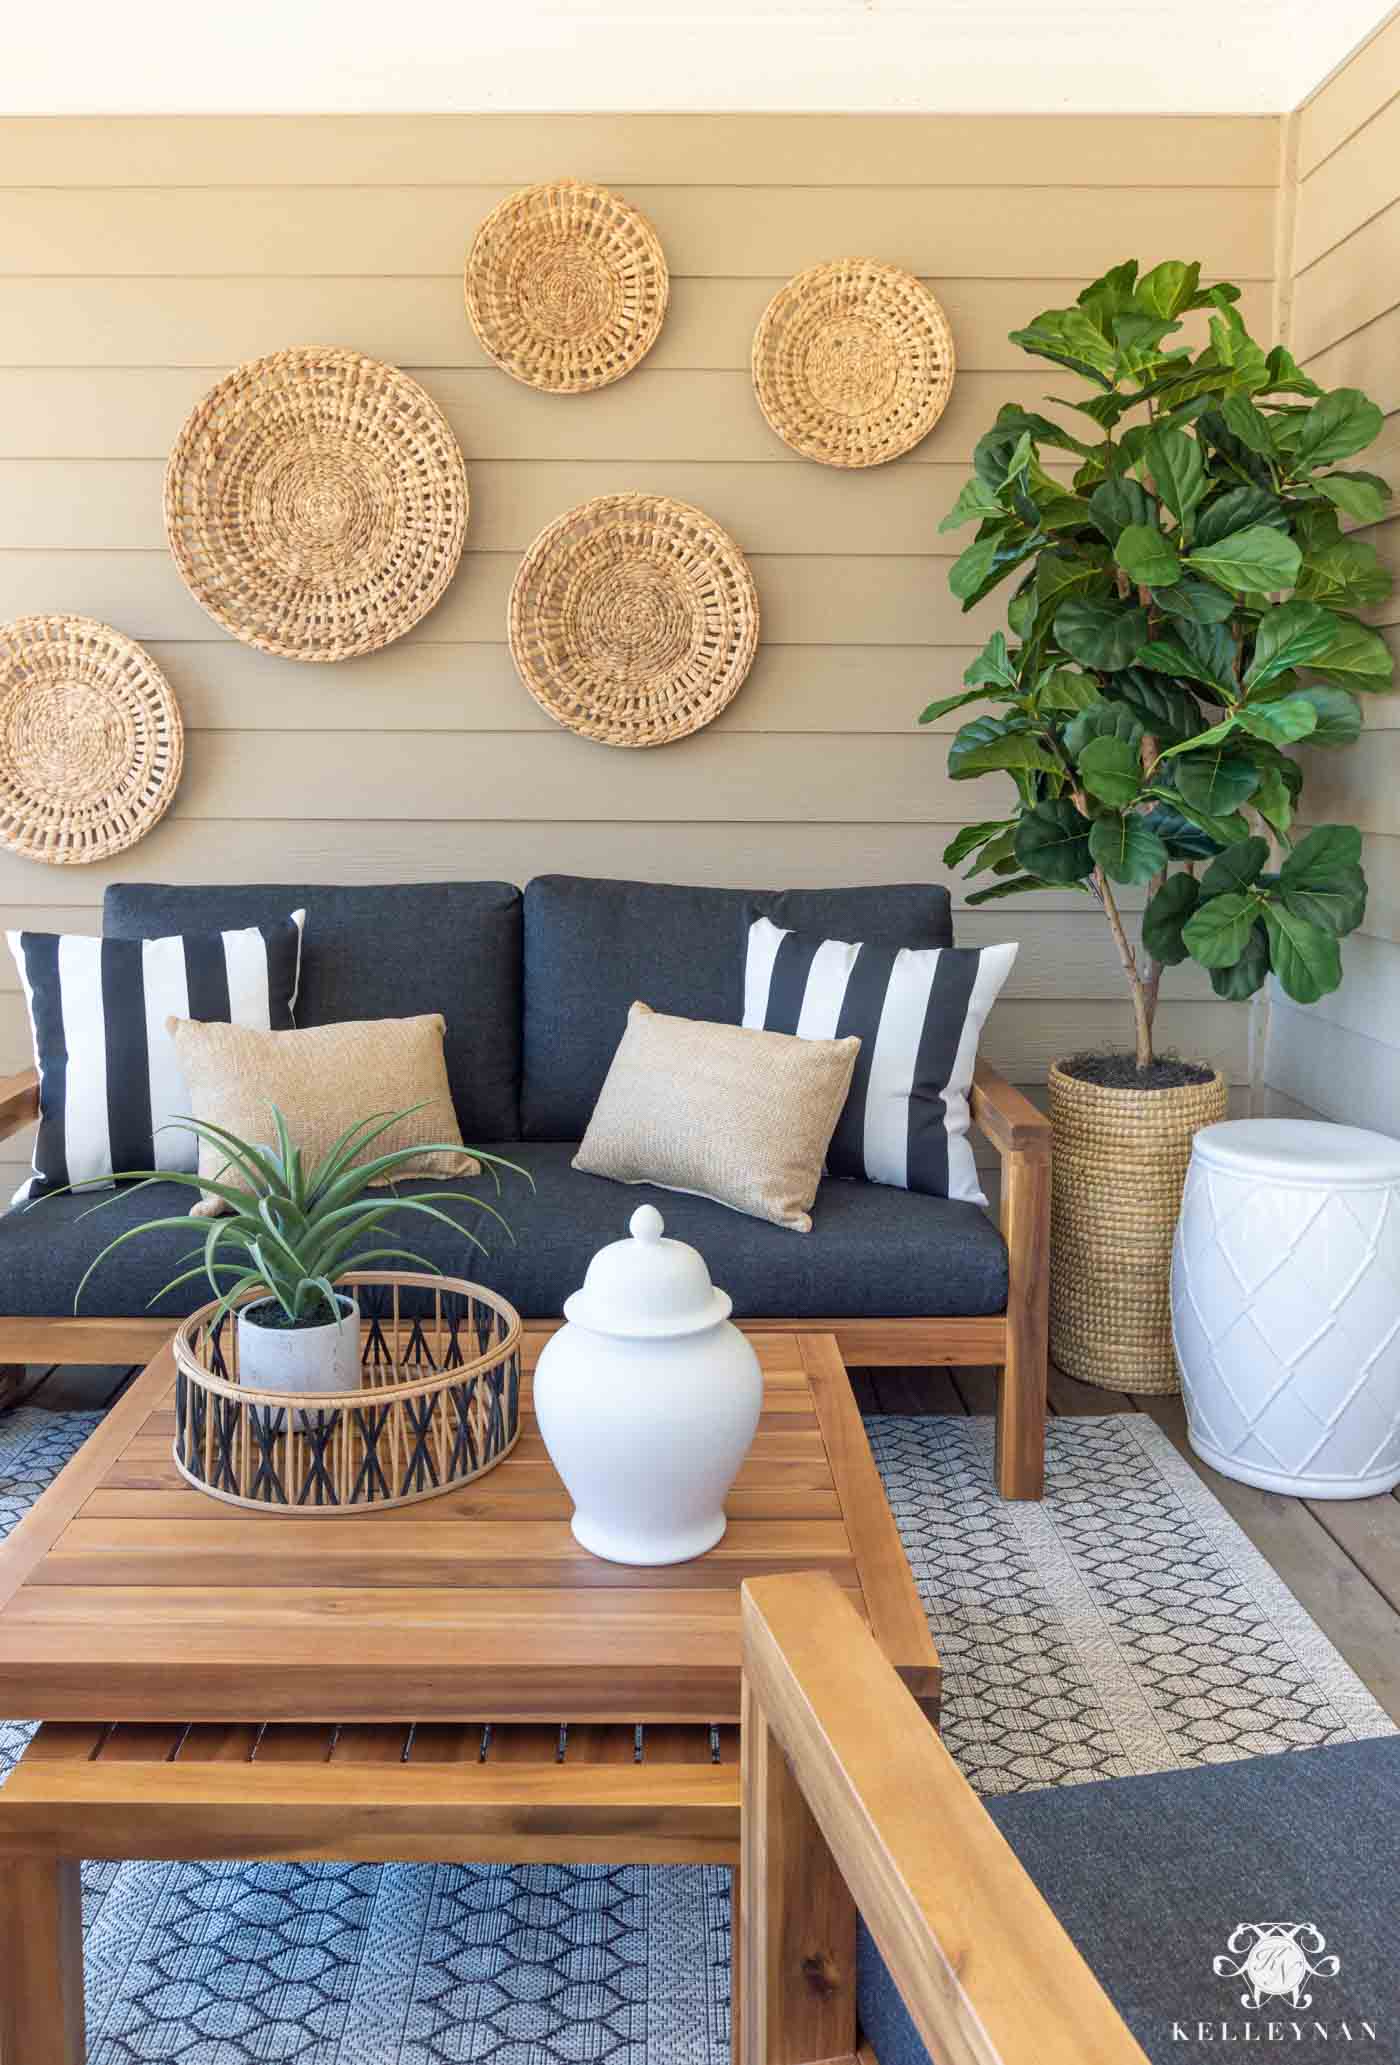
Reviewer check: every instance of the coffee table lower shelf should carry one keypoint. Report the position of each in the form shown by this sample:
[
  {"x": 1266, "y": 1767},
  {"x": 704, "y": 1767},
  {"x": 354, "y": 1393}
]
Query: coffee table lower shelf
[{"x": 435, "y": 1793}]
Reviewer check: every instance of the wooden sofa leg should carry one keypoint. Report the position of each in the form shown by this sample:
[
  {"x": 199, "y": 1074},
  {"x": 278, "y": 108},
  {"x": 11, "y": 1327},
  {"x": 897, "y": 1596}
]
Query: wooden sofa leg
[
  {"x": 41, "y": 1962},
  {"x": 11, "y": 1382},
  {"x": 1025, "y": 1224},
  {"x": 797, "y": 1920}
]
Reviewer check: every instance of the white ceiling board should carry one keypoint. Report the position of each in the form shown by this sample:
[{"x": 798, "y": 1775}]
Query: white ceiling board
[{"x": 955, "y": 56}]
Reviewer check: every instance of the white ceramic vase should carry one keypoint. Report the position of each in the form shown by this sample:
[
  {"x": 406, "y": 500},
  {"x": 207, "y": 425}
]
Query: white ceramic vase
[
  {"x": 647, "y": 1400},
  {"x": 307, "y": 1359}
]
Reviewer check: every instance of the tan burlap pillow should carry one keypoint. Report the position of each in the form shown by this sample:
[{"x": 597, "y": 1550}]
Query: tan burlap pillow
[
  {"x": 741, "y": 1117},
  {"x": 321, "y": 1079}
]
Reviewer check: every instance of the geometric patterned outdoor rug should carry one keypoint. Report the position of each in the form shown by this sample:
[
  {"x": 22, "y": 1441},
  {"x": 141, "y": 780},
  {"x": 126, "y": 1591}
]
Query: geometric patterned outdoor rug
[{"x": 1124, "y": 1625}]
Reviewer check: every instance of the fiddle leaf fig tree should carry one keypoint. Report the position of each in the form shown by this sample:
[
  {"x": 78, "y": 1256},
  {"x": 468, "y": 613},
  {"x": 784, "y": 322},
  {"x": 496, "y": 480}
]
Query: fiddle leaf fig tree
[{"x": 1187, "y": 608}]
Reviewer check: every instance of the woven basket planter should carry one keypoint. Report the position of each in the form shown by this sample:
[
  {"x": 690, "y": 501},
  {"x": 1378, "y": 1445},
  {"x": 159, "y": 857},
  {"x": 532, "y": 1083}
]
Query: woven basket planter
[{"x": 1119, "y": 1166}]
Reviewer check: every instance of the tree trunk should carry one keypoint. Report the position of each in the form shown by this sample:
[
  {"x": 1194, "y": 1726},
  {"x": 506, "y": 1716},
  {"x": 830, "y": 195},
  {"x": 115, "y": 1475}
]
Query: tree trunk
[{"x": 1144, "y": 993}]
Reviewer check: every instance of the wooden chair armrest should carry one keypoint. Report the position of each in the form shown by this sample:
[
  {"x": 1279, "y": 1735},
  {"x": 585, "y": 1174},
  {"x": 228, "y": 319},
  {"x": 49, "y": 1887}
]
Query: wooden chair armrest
[
  {"x": 1022, "y": 1137},
  {"x": 19, "y": 1101},
  {"x": 986, "y": 1971},
  {"x": 1006, "y": 1115}
]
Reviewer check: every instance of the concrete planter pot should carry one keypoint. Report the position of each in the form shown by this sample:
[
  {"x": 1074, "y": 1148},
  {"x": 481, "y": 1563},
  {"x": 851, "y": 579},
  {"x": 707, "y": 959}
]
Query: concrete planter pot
[{"x": 310, "y": 1360}]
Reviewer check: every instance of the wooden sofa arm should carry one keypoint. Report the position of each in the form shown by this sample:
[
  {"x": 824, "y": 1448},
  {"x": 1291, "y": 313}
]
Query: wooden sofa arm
[
  {"x": 1006, "y": 1115},
  {"x": 19, "y": 1101},
  {"x": 1022, "y": 1137},
  {"x": 850, "y": 1801}
]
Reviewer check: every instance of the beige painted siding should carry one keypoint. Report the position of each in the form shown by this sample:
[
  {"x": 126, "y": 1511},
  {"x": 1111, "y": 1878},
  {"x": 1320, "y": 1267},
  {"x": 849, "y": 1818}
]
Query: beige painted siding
[
  {"x": 140, "y": 259},
  {"x": 1342, "y": 1055}
]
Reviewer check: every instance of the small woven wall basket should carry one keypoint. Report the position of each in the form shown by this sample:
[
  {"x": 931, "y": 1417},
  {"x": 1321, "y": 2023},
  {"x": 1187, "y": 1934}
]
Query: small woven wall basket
[
  {"x": 1117, "y": 1174},
  {"x": 316, "y": 504},
  {"x": 439, "y": 1404},
  {"x": 853, "y": 362},
  {"x": 633, "y": 619},
  {"x": 91, "y": 743},
  {"x": 566, "y": 286}
]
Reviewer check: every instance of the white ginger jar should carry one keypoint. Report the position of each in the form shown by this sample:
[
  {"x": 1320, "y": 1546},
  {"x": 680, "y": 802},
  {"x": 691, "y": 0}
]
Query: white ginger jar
[{"x": 648, "y": 1399}]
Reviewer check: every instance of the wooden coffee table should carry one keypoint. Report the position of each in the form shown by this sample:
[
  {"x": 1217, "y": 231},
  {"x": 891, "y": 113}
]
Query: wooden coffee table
[{"x": 451, "y": 1681}]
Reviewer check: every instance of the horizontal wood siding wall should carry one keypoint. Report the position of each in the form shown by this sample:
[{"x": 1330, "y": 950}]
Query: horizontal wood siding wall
[
  {"x": 140, "y": 259},
  {"x": 1342, "y": 1055}
]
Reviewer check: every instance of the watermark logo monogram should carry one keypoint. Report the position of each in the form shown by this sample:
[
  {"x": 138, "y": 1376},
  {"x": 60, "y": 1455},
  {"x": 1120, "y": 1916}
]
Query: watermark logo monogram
[{"x": 1277, "y": 1959}]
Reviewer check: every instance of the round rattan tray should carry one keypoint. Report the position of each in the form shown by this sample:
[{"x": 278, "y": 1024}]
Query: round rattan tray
[
  {"x": 566, "y": 286},
  {"x": 853, "y": 362},
  {"x": 633, "y": 619},
  {"x": 91, "y": 743},
  {"x": 439, "y": 1404},
  {"x": 316, "y": 503}
]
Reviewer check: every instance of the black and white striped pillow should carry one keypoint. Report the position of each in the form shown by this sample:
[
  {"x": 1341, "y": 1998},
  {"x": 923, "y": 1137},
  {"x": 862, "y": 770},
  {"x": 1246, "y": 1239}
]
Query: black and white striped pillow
[
  {"x": 918, "y": 1013},
  {"x": 108, "y": 1076}
]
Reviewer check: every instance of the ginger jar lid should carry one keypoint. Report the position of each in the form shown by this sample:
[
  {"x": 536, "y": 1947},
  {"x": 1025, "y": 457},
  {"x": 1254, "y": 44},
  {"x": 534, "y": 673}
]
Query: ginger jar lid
[{"x": 647, "y": 1287}]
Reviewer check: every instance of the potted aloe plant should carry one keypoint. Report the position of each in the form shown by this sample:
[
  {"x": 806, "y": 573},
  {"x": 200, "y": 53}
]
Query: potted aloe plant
[
  {"x": 1186, "y": 612},
  {"x": 289, "y": 1234}
]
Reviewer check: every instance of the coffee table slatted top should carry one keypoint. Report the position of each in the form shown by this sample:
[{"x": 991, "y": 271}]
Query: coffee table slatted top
[{"x": 127, "y": 1596}]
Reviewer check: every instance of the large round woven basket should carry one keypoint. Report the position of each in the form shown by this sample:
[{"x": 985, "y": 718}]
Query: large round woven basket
[
  {"x": 438, "y": 1404},
  {"x": 633, "y": 619},
  {"x": 91, "y": 743},
  {"x": 1119, "y": 1165},
  {"x": 853, "y": 362},
  {"x": 566, "y": 286},
  {"x": 316, "y": 503}
]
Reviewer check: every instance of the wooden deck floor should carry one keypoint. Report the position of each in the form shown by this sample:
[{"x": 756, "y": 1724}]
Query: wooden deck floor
[{"x": 1340, "y": 1557}]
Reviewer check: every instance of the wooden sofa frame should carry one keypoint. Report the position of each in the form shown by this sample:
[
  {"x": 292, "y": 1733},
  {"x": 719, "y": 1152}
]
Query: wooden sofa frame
[
  {"x": 1016, "y": 1343},
  {"x": 849, "y": 1802}
]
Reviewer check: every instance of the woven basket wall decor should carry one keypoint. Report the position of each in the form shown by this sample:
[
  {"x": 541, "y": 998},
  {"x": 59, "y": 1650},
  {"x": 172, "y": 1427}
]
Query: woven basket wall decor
[
  {"x": 91, "y": 743},
  {"x": 316, "y": 503},
  {"x": 566, "y": 286},
  {"x": 853, "y": 362},
  {"x": 1117, "y": 1173},
  {"x": 633, "y": 619}
]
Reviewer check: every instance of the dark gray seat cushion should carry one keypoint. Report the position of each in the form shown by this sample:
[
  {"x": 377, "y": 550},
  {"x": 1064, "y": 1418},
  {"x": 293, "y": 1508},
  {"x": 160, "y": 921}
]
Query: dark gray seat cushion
[
  {"x": 872, "y": 1251},
  {"x": 1151, "y": 1876},
  {"x": 592, "y": 947},
  {"x": 383, "y": 952}
]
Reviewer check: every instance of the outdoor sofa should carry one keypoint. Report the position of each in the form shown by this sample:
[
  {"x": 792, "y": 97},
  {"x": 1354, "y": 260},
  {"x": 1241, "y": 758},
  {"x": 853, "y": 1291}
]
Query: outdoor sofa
[{"x": 535, "y": 987}]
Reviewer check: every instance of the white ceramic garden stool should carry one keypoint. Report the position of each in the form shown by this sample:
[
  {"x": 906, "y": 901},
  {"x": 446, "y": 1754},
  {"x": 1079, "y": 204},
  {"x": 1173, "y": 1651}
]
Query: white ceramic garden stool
[{"x": 1286, "y": 1306}]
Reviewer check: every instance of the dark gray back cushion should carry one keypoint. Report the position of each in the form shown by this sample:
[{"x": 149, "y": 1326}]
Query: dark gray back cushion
[
  {"x": 592, "y": 947},
  {"x": 382, "y": 952}
]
